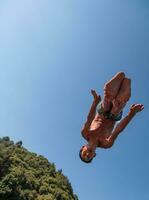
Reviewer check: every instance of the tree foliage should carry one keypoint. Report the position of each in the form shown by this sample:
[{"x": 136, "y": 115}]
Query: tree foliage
[{"x": 26, "y": 176}]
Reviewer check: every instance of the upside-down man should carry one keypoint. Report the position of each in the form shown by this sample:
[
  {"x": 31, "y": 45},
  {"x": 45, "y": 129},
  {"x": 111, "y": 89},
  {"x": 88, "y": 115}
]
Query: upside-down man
[{"x": 100, "y": 129}]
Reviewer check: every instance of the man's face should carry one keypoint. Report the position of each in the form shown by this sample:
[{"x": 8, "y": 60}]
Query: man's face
[{"x": 88, "y": 153}]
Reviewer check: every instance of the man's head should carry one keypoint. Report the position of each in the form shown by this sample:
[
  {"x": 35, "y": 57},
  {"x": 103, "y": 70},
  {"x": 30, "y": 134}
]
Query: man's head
[{"x": 87, "y": 154}]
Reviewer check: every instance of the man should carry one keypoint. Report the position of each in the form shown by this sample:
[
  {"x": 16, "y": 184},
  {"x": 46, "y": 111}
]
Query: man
[{"x": 99, "y": 129}]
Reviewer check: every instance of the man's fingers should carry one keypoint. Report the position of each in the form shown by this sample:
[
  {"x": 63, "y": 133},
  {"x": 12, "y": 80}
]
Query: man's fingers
[
  {"x": 142, "y": 107},
  {"x": 94, "y": 93},
  {"x": 133, "y": 105},
  {"x": 136, "y": 105}
]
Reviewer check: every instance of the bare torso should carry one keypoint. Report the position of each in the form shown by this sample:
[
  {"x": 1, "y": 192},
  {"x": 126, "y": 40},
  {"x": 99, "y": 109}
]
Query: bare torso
[{"x": 100, "y": 129}]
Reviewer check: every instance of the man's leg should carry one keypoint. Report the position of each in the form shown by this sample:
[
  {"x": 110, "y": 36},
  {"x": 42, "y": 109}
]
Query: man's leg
[
  {"x": 111, "y": 90},
  {"x": 122, "y": 97}
]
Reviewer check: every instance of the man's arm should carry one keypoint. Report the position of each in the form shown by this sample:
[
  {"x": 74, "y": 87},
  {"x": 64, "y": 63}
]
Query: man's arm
[
  {"x": 91, "y": 114},
  {"x": 135, "y": 108}
]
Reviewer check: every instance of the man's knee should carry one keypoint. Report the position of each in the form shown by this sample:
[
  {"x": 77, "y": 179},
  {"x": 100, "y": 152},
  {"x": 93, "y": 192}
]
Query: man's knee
[
  {"x": 111, "y": 87},
  {"x": 121, "y": 74}
]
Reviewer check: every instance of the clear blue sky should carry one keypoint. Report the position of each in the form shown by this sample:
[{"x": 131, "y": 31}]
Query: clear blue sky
[{"x": 52, "y": 53}]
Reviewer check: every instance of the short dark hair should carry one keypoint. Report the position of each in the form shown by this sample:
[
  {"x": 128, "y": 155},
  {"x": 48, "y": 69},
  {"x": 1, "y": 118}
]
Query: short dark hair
[{"x": 86, "y": 161}]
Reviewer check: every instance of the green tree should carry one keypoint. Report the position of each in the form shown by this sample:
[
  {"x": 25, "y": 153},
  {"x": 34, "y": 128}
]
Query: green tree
[{"x": 26, "y": 176}]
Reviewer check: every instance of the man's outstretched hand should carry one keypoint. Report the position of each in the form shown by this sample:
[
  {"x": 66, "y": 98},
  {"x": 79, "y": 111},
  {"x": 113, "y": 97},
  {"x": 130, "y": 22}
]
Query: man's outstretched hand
[
  {"x": 135, "y": 108},
  {"x": 97, "y": 97}
]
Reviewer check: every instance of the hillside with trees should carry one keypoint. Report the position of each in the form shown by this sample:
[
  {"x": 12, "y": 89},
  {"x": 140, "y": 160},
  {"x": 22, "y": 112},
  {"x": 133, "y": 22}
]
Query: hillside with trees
[{"x": 27, "y": 176}]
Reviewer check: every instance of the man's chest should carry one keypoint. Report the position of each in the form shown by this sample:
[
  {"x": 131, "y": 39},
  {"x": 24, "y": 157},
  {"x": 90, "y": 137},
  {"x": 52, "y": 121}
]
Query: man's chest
[
  {"x": 99, "y": 139},
  {"x": 100, "y": 124}
]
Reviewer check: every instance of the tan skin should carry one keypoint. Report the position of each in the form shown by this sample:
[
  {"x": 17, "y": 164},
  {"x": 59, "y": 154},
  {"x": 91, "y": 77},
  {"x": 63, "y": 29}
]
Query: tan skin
[{"x": 100, "y": 132}]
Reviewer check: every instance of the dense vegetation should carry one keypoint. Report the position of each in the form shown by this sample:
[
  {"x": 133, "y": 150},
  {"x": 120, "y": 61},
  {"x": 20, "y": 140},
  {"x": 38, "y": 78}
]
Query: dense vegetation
[{"x": 26, "y": 176}]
